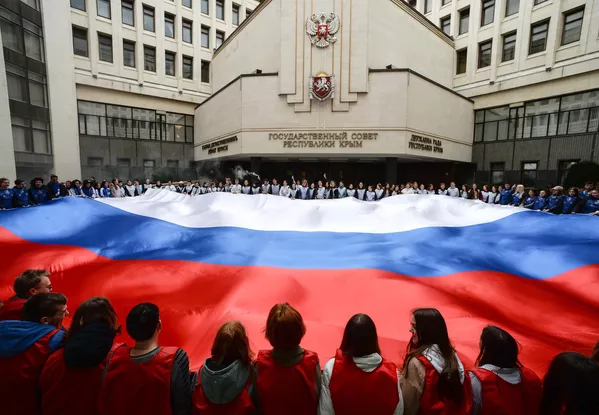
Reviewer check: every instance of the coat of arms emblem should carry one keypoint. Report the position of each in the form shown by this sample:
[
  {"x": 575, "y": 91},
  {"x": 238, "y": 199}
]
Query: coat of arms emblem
[
  {"x": 321, "y": 86},
  {"x": 322, "y": 28}
]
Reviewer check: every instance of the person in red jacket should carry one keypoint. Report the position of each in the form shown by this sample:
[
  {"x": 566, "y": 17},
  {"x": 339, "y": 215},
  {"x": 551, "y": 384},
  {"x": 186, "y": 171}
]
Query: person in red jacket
[
  {"x": 288, "y": 375},
  {"x": 146, "y": 378},
  {"x": 72, "y": 376},
  {"x": 358, "y": 380},
  {"x": 434, "y": 378},
  {"x": 25, "y": 346},
  {"x": 226, "y": 381},
  {"x": 500, "y": 384},
  {"x": 31, "y": 282}
]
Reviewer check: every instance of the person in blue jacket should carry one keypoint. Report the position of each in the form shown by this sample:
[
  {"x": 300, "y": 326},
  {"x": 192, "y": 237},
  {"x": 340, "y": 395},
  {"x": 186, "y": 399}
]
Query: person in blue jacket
[
  {"x": 572, "y": 203},
  {"x": 588, "y": 188},
  {"x": 530, "y": 201},
  {"x": 541, "y": 202},
  {"x": 87, "y": 189},
  {"x": 38, "y": 193},
  {"x": 519, "y": 196},
  {"x": 56, "y": 188},
  {"x": 105, "y": 190},
  {"x": 555, "y": 202},
  {"x": 591, "y": 204},
  {"x": 6, "y": 194},
  {"x": 506, "y": 195},
  {"x": 20, "y": 194}
]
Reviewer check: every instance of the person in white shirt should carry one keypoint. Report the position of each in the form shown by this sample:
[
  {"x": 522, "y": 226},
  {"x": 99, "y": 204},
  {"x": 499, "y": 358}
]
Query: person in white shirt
[
  {"x": 422, "y": 190},
  {"x": 442, "y": 190},
  {"x": 485, "y": 194},
  {"x": 236, "y": 188},
  {"x": 408, "y": 189},
  {"x": 453, "y": 191},
  {"x": 285, "y": 191}
]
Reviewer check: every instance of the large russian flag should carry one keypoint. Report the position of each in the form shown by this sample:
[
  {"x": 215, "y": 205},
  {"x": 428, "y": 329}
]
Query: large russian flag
[{"x": 205, "y": 260}]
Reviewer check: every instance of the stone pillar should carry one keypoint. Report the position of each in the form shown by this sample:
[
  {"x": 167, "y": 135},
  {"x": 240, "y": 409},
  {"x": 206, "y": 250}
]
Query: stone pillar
[
  {"x": 391, "y": 170},
  {"x": 7, "y": 150}
]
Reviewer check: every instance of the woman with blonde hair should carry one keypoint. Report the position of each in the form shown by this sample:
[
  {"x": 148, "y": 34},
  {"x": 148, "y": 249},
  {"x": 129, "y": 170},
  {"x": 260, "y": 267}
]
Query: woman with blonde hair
[
  {"x": 519, "y": 196},
  {"x": 226, "y": 380}
]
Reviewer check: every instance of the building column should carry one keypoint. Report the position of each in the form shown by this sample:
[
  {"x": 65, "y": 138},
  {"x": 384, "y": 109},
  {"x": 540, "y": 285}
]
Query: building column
[
  {"x": 8, "y": 167},
  {"x": 62, "y": 93},
  {"x": 391, "y": 169},
  {"x": 255, "y": 163}
]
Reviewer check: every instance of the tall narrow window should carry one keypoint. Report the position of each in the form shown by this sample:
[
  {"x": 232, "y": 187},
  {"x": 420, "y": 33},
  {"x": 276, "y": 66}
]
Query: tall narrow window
[
  {"x": 487, "y": 14},
  {"x": 205, "y": 72},
  {"x": 484, "y": 54},
  {"x": 220, "y": 38},
  {"x": 220, "y": 10},
  {"x": 464, "y": 20},
  {"x": 509, "y": 47},
  {"x": 187, "y": 67},
  {"x": 445, "y": 25},
  {"x": 186, "y": 3},
  {"x": 78, "y": 4},
  {"x": 461, "y": 60},
  {"x": 129, "y": 53},
  {"x": 127, "y": 12},
  {"x": 149, "y": 58},
  {"x": 169, "y": 25},
  {"x": 80, "y": 41},
  {"x": 428, "y": 6},
  {"x": 538, "y": 37},
  {"x": 572, "y": 26},
  {"x": 169, "y": 63},
  {"x": 205, "y": 37},
  {"x": 187, "y": 31},
  {"x": 511, "y": 7},
  {"x": 235, "y": 15},
  {"x": 497, "y": 173},
  {"x": 105, "y": 44},
  {"x": 205, "y": 7},
  {"x": 529, "y": 174},
  {"x": 148, "y": 18},
  {"x": 104, "y": 8}
]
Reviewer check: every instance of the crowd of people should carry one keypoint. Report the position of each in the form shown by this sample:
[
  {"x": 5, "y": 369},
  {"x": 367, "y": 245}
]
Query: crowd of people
[
  {"x": 553, "y": 200},
  {"x": 49, "y": 370}
]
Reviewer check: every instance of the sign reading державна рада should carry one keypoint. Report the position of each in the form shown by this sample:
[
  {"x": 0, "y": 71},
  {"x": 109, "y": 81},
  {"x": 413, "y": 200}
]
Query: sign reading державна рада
[
  {"x": 323, "y": 140},
  {"x": 418, "y": 142}
]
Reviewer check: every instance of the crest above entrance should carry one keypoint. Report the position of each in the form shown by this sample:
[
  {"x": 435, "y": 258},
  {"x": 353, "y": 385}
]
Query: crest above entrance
[
  {"x": 321, "y": 86},
  {"x": 322, "y": 28}
]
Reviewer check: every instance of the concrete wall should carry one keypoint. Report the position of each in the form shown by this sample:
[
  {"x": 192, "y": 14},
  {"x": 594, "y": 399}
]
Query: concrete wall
[{"x": 7, "y": 151}]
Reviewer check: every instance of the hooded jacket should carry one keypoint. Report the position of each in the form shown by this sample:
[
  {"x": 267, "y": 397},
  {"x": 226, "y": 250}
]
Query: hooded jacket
[
  {"x": 222, "y": 384},
  {"x": 18, "y": 336},
  {"x": 11, "y": 310}
]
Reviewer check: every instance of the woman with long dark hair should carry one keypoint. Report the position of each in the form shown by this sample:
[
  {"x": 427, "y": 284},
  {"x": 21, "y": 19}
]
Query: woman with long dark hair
[
  {"x": 226, "y": 380},
  {"x": 571, "y": 386},
  {"x": 72, "y": 376},
  {"x": 358, "y": 380},
  {"x": 434, "y": 377},
  {"x": 500, "y": 384}
]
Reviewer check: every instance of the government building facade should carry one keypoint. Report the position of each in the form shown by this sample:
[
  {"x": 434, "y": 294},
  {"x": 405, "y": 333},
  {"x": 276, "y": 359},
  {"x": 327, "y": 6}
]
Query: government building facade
[{"x": 491, "y": 91}]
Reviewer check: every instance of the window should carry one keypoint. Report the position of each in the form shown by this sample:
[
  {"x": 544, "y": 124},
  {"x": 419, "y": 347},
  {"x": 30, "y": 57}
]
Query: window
[
  {"x": 205, "y": 75},
  {"x": 461, "y": 59},
  {"x": 11, "y": 35},
  {"x": 484, "y": 54},
  {"x": 187, "y": 31},
  {"x": 169, "y": 25},
  {"x": 427, "y": 6},
  {"x": 169, "y": 63},
  {"x": 127, "y": 12},
  {"x": 497, "y": 172},
  {"x": 220, "y": 10},
  {"x": 105, "y": 42},
  {"x": 34, "y": 47},
  {"x": 572, "y": 26},
  {"x": 78, "y": 4},
  {"x": 205, "y": 7},
  {"x": 512, "y": 7},
  {"x": 149, "y": 58},
  {"x": 17, "y": 87},
  {"x": 464, "y": 20},
  {"x": 487, "y": 14},
  {"x": 529, "y": 174},
  {"x": 95, "y": 161},
  {"x": 539, "y": 1},
  {"x": 538, "y": 37},
  {"x": 186, "y": 3},
  {"x": 220, "y": 38},
  {"x": 148, "y": 18},
  {"x": 235, "y": 15},
  {"x": 37, "y": 94},
  {"x": 187, "y": 67},
  {"x": 104, "y": 8},
  {"x": 123, "y": 162},
  {"x": 509, "y": 47},
  {"x": 205, "y": 37},
  {"x": 129, "y": 53},
  {"x": 80, "y": 42},
  {"x": 445, "y": 25},
  {"x": 248, "y": 12},
  {"x": 150, "y": 163},
  {"x": 444, "y": 2},
  {"x": 563, "y": 168}
]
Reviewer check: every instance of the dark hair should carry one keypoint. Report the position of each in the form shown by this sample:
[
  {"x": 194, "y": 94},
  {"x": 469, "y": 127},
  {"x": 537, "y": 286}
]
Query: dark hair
[
  {"x": 498, "y": 348},
  {"x": 19, "y": 181},
  {"x": 595, "y": 355},
  {"x": 431, "y": 329},
  {"x": 570, "y": 386},
  {"x": 230, "y": 344},
  {"x": 42, "y": 305},
  {"x": 94, "y": 310},
  {"x": 284, "y": 327},
  {"x": 28, "y": 280},
  {"x": 360, "y": 337},
  {"x": 142, "y": 321}
]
